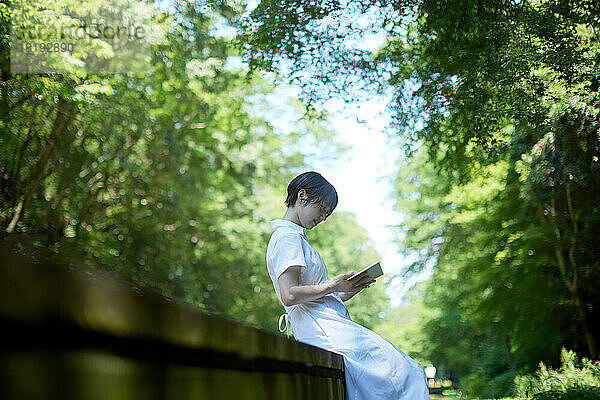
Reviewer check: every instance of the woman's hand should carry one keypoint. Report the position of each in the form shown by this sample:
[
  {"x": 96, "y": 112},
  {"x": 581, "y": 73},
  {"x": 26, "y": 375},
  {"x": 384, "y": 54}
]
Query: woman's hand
[
  {"x": 341, "y": 283},
  {"x": 345, "y": 296}
]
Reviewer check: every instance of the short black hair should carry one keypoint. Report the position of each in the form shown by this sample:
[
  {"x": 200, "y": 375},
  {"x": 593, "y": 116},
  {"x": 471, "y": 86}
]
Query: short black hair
[{"x": 318, "y": 190}]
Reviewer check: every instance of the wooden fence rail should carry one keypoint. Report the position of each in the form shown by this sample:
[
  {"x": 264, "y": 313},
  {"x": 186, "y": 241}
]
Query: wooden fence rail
[{"x": 73, "y": 335}]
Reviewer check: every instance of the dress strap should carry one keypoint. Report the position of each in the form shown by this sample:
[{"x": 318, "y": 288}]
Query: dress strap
[{"x": 284, "y": 317}]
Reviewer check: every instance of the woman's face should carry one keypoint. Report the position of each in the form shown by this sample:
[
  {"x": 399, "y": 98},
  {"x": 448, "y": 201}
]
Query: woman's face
[{"x": 313, "y": 214}]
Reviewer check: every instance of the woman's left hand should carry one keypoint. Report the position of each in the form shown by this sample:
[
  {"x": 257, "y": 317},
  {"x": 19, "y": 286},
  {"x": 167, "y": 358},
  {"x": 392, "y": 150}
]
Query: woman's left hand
[{"x": 363, "y": 286}]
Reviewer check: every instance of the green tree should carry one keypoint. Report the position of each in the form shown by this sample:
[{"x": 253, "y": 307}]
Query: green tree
[
  {"x": 156, "y": 176},
  {"x": 497, "y": 304}
]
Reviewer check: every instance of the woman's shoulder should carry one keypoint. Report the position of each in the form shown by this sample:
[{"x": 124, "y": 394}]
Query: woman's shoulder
[
  {"x": 284, "y": 241},
  {"x": 284, "y": 233},
  {"x": 286, "y": 237}
]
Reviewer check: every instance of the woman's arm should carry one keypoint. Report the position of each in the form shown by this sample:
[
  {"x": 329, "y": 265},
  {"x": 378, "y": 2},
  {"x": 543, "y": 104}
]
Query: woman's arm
[{"x": 292, "y": 293}]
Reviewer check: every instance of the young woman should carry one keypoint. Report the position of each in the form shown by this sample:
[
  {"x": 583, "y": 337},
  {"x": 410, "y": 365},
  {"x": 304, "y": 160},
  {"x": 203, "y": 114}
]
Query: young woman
[{"x": 314, "y": 304}]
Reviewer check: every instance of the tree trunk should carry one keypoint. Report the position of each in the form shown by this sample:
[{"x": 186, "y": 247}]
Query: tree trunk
[
  {"x": 64, "y": 115},
  {"x": 572, "y": 283}
]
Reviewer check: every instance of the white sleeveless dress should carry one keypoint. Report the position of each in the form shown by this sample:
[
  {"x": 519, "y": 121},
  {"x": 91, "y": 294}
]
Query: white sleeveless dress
[{"x": 375, "y": 369}]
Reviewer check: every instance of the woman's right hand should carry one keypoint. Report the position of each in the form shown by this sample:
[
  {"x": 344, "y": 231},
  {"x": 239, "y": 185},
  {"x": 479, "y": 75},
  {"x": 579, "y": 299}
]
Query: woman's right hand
[{"x": 341, "y": 283}]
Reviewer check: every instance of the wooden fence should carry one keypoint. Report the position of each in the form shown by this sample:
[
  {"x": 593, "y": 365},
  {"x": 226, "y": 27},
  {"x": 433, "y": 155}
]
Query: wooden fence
[{"x": 74, "y": 335}]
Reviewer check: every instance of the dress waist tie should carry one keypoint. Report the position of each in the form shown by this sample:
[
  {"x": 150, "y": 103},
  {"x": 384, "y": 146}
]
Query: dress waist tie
[{"x": 284, "y": 317}]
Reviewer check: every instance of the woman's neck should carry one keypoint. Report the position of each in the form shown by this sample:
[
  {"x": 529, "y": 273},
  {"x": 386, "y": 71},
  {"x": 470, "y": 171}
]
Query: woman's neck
[{"x": 292, "y": 216}]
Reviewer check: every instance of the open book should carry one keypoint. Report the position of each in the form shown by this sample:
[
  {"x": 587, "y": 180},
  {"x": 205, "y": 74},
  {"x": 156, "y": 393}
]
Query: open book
[{"x": 372, "y": 271}]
